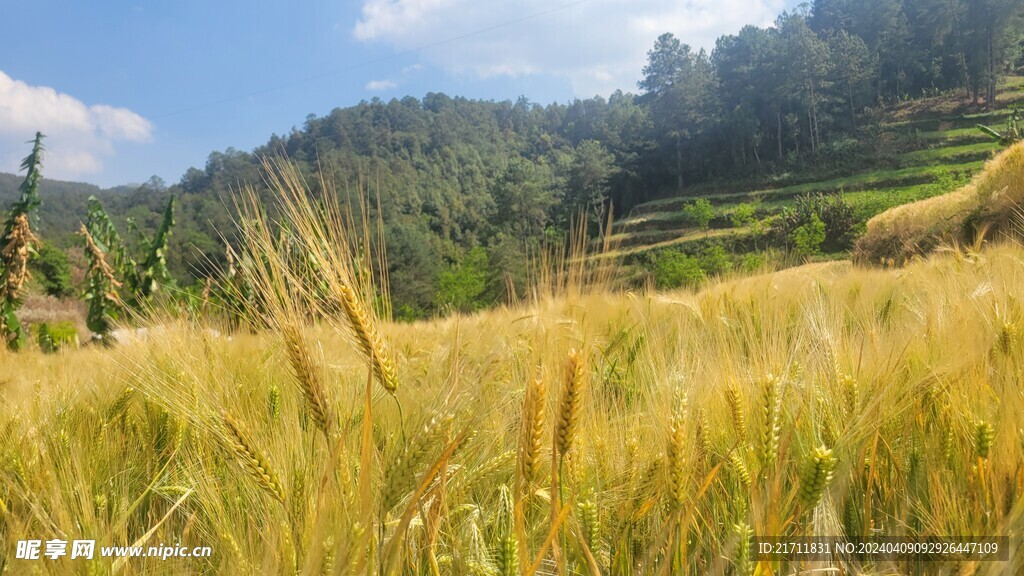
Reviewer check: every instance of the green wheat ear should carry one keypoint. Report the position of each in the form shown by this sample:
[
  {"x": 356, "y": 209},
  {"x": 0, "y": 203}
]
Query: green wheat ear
[
  {"x": 816, "y": 476},
  {"x": 1009, "y": 333},
  {"x": 984, "y": 436},
  {"x": 274, "y": 402},
  {"x": 771, "y": 430},
  {"x": 739, "y": 468},
  {"x": 743, "y": 562},
  {"x": 676, "y": 449}
]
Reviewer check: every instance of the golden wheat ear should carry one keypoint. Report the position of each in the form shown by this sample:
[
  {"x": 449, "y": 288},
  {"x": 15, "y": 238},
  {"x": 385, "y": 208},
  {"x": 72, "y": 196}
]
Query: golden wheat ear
[
  {"x": 572, "y": 394},
  {"x": 252, "y": 459},
  {"x": 368, "y": 338},
  {"x": 308, "y": 377},
  {"x": 531, "y": 435},
  {"x": 737, "y": 410}
]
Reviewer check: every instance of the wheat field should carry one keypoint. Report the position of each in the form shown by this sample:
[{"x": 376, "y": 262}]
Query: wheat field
[{"x": 587, "y": 433}]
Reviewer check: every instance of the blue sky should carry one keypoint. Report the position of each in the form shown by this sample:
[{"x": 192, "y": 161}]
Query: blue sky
[{"x": 126, "y": 90}]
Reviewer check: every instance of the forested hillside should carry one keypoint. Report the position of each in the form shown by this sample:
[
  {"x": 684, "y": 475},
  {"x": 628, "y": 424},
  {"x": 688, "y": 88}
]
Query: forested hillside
[
  {"x": 465, "y": 186},
  {"x": 64, "y": 201}
]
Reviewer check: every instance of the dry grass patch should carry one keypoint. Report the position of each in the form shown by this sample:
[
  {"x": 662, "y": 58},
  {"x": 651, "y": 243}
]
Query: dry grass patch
[{"x": 987, "y": 205}]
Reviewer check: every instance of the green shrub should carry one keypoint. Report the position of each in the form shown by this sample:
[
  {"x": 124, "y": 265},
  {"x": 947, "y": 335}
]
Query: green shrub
[
  {"x": 947, "y": 180},
  {"x": 753, "y": 262},
  {"x": 54, "y": 271},
  {"x": 700, "y": 213},
  {"x": 837, "y": 217},
  {"x": 808, "y": 238},
  {"x": 743, "y": 215},
  {"x": 673, "y": 269},
  {"x": 462, "y": 286},
  {"x": 715, "y": 260},
  {"x": 54, "y": 336}
]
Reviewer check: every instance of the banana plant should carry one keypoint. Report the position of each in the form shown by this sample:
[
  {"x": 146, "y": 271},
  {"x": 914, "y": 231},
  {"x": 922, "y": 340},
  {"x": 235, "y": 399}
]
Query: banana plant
[
  {"x": 107, "y": 238},
  {"x": 18, "y": 245},
  {"x": 235, "y": 294},
  {"x": 117, "y": 282},
  {"x": 1014, "y": 128},
  {"x": 152, "y": 274},
  {"x": 101, "y": 292}
]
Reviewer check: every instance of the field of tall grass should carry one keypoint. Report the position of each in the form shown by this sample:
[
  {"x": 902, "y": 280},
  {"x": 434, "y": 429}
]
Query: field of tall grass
[{"x": 588, "y": 432}]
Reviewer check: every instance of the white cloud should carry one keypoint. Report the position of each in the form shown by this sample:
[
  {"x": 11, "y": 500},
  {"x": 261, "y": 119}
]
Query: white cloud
[
  {"x": 78, "y": 137},
  {"x": 380, "y": 85},
  {"x": 391, "y": 84},
  {"x": 598, "y": 45}
]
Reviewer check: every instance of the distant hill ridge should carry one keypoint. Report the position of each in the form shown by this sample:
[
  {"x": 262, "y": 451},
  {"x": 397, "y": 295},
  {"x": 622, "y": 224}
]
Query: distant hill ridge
[
  {"x": 9, "y": 184},
  {"x": 64, "y": 203}
]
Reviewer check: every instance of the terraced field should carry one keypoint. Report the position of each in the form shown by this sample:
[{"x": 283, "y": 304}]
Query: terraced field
[{"x": 923, "y": 151}]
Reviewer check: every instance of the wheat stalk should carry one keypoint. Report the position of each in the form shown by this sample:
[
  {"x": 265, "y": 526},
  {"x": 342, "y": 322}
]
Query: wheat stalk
[
  {"x": 562, "y": 439},
  {"x": 816, "y": 475},
  {"x": 253, "y": 459},
  {"x": 370, "y": 342},
  {"x": 948, "y": 444},
  {"x": 984, "y": 435},
  {"x": 274, "y": 403},
  {"x": 120, "y": 403},
  {"x": 531, "y": 435},
  {"x": 739, "y": 467},
  {"x": 402, "y": 474},
  {"x": 771, "y": 405},
  {"x": 308, "y": 377},
  {"x": 676, "y": 449},
  {"x": 590, "y": 520},
  {"x": 528, "y": 461},
  {"x": 851, "y": 389},
  {"x": 739, "y": 420},
  {"x": 572, "y": 394},
  {"x": 494, "y": 467},
  {"x": 703, "y": 435},
  {"x": 507, "y": 553},
  {"x": 742, "y": 562}
]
